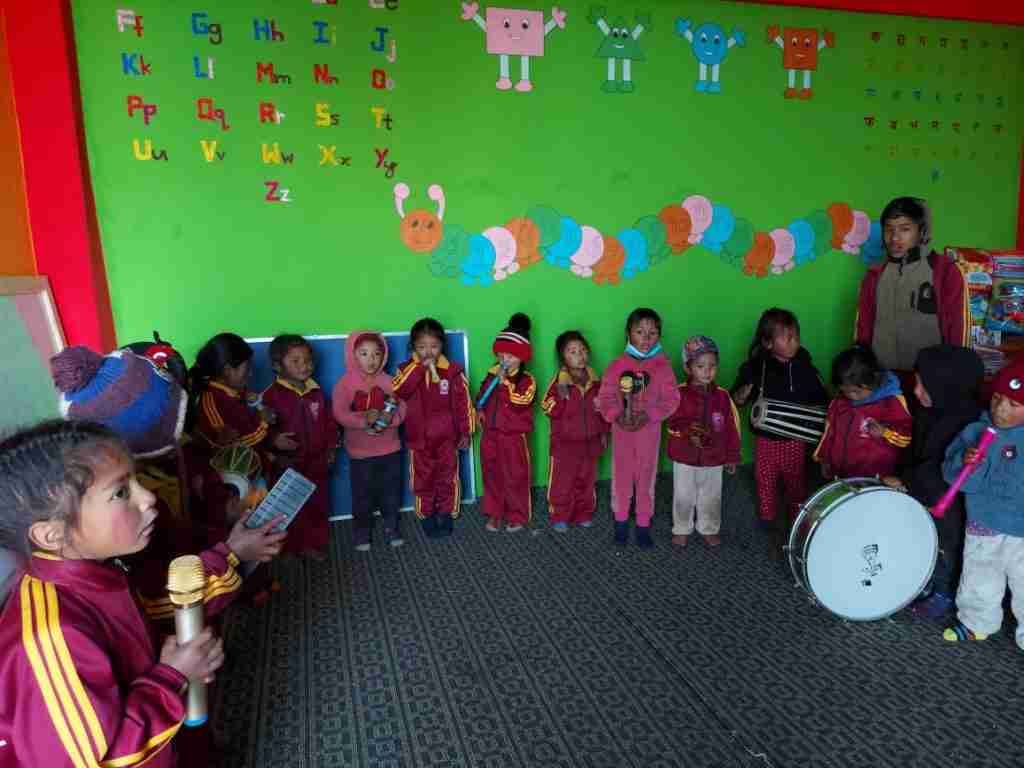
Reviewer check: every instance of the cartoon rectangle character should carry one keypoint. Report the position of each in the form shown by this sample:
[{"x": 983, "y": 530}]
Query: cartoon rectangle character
[
  {"x": 515, "y": 31},
  {"x": 800, "y": 49}
]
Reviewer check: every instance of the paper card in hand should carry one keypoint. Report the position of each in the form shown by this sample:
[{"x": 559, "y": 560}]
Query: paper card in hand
[{"x": 285, "y": 498}]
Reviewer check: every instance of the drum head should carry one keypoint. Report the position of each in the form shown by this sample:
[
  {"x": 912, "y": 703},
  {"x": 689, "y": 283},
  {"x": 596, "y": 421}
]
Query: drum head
[{"x": 871, "y": 554}]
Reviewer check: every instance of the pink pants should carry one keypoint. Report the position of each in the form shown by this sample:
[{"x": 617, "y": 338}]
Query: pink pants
[
  {"x": 634, "y": 469},
  {"x": 776, "y": 460}
]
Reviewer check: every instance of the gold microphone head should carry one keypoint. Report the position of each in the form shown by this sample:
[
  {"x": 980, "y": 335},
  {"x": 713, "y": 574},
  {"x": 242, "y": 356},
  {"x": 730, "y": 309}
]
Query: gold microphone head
[
  {"x": 626, "y": 384},
  {"x": 186, "y": 579}
]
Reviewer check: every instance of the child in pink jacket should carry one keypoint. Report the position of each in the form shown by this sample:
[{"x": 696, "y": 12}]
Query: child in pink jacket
[
  {"x": 638, "y": 392},
  {"x": 366, "y": 407}
]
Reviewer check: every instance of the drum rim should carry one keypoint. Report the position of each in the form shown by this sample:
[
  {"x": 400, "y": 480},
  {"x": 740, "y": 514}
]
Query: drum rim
[{"x": 800, "y": 571}]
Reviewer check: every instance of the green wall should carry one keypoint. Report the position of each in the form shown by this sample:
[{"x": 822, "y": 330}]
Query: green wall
[{"x": 192, "y": 247}]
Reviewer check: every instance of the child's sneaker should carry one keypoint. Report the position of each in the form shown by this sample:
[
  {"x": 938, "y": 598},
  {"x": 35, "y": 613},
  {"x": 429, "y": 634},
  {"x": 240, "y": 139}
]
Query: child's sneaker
[
  {"x": 365, "y": 547},
  {"x": 393, "y": 538},
  {"x": 513, "y": 528},
  {"x": 560, "y": 527},
  {"x": 493, "y": 526},
  {"x": 680, "y": 540},
  {"x": 430, "y": 527},
  {"x": 959, "y": 633},
  {"x": 622, "y": 533},
  {"x": 643, "y": 538},
  {"x": 585, "y": 523},
  {"x": 713, "y": 540},
  {"x": 317, "y": 555},
  {"x": 445, "y": 525},
  {"x": 935, "y": 606}
]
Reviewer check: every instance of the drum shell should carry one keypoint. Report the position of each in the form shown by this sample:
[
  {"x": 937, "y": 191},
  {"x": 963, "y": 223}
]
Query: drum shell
[{"x": 789, "y": 420}]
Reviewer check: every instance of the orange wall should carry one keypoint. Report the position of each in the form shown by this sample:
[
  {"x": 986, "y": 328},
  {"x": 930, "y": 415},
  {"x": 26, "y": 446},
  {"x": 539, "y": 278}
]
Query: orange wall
[{"x": 16, "y": 256}]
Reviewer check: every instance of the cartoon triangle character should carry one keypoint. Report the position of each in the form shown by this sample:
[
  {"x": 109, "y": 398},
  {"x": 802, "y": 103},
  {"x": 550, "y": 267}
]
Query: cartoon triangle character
[
  {"x": 514, "y": 32},
  {"x": 800, "y": 46},
  {"x": 619, "y": 43}
]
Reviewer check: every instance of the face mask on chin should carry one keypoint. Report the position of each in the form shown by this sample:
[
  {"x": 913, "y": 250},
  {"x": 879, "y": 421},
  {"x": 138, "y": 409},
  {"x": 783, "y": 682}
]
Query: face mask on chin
[{"x": 636, "y": 353}]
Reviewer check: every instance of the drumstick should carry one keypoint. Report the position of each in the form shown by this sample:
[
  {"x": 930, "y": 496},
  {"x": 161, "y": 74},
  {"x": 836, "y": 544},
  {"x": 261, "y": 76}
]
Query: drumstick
[{"x": 939, "y": 510}]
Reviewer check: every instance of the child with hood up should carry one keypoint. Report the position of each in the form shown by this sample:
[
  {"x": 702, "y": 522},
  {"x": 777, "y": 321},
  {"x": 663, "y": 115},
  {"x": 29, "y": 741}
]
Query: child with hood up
[{"x": 364, "y": 403}]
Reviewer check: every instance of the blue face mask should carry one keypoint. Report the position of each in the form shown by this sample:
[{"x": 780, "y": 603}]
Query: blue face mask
[{"x": 634, "y": 352}]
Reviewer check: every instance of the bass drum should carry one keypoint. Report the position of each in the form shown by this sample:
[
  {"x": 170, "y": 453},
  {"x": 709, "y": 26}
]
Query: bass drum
[{"x": 862, "y": 549}]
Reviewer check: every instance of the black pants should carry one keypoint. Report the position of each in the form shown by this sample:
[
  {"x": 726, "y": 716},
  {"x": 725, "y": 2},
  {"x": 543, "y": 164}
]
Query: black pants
[
  {"x": 376, "y": 484},
  {"x": 951, "y": 547}
]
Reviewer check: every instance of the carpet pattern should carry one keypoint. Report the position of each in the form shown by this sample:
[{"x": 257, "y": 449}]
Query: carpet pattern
[{"x": 541, "y": 649}]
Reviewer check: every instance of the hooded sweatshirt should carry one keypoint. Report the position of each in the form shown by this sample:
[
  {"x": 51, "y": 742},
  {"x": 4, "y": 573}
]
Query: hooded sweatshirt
[
  {"x": 849, "y": 449},
  {"x": 356, "y": 393},
  {"x": 951, "y": 375}
]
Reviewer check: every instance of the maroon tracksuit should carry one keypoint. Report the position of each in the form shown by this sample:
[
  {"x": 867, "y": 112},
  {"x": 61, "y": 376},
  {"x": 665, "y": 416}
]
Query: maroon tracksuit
[
  {"x": 504, "y": 454},
  {"x": 80, "y": 681},
  {"x": 306, "y": 415},
  {"x": 578, "y": 438},
  {"x": 439, "y": 417}
]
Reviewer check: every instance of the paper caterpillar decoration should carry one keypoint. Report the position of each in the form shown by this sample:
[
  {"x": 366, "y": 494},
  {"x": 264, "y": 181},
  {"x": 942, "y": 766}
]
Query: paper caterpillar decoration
[{"x": 544, "y": 234}]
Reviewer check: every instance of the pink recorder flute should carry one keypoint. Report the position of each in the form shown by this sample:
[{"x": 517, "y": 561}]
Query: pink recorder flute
[{"x": 939, "y": 510}]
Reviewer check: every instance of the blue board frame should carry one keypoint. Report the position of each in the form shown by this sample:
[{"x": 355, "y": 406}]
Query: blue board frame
[{"x": 329, "y": 363}]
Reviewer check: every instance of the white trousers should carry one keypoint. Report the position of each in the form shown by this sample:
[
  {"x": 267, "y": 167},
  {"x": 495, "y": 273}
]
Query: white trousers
[
  {"x": 991, "y": 563},
  {"x": 696, "y": 489}
]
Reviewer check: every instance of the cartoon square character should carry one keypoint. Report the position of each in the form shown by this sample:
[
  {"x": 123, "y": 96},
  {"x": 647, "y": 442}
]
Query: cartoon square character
[
  {"x": 514, "y": 32},
  {"x": 800, "y": 47}
]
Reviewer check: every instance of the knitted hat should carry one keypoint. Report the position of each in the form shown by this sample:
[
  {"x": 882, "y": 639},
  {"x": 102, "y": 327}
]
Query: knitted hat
[
  {"x": 125, "y": 392},
  {"x": 696, "y": 346},
  {"x": 163, "y": 355},
  {"x": 515, "y": 339},
  {"x": 1010, "y": 380}
]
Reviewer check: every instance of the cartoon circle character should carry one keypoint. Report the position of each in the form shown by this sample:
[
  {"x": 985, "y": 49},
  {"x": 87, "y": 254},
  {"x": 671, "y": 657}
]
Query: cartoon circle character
[
  {"x": 720, "y": 229},
  {"x": 677, "y": 227},
  {"x": 527, "y": 236},
  {"x": 858, "y": 234},
  {"x": 803, "y": 238},
  {"x": 653, "y": 230},
  {"x": 446, "y": 260},
  {"x": 821, "y": 223},
  {"x": 842, "y": 222},
  {"x": 800, "y": 46},
  {"x": 636, "y": 252},
  {"x": 619, "y": 44},
  {"x": 607, "y": 270},
  {"x": 710, "y": 46},
  {"x": 421, "y": 230},
  {"x": 785, "y": 249},
  {"x": 590, "y": 252},
  {"x": 701, "y": 211},
  {"x": 566, "y": 245},
  {"x": 504, "y": 243},
  {"x": 514, "y": 32},
  {"x": 478, "y": 266},
  {"x": 740, "y": 243}
]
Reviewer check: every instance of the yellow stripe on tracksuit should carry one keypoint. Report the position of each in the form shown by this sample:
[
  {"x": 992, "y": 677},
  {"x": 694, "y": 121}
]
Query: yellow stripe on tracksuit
[
  {"x": 548, "y": 403},
  {"x": 163, "y": 608},
  {"x": 209, "y": 406},
  {"x": 527, "y": 397},
  {"x": 149, "y": 749},
  {"x": 402, "y": 375}
]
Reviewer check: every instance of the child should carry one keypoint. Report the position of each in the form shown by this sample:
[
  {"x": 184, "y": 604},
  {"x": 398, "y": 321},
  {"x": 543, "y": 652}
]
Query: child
[
  {"x": 224, "y": 415},
  {"x": 439, "y": 421},
  {"x": 778, "y": 368},
  {"x": 947, "y": 381},
  {"x": 361, "y": 399},
  {"x": 868, "y": 425},
  {"x": 83, "y": 683},
  {"x": 506, "y": 418},
  {"x": 703, "y": 435},
  {"x": 915, "y": 298},
  {"x": 994, "y": 545},
  {"x": 301, "y": 411},
  {"x": 578, "y": 435},
  {"x": 636, "y": 420}
]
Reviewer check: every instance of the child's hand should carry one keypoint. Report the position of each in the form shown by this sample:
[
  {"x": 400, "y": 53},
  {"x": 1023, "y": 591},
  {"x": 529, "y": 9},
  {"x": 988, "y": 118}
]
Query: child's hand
[
  {"x": 874, "y": 428},
  {"x": 971, "y": 456},
  {"x": 371, "y": 416},
  {"x": 386, "y": 417},
  {"x": 895, "y": 483},
  {"x": 256, "y": 544},
  {"x": 742, "y": 394},
  {"x": 269, "y": 415},
  {"x": 284, "y": 442},
  {"x": 197, "y": 659},
  {"x": 730, "y": 469}
]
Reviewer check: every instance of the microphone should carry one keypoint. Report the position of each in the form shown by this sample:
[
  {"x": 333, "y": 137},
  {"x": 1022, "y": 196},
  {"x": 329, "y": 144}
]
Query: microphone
[
  {"x": 626, "y": 384},
  {"x": 939, "y": 510},
  {"x": 490, "y": 388},
  {"x": 186, "y": 579}
]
